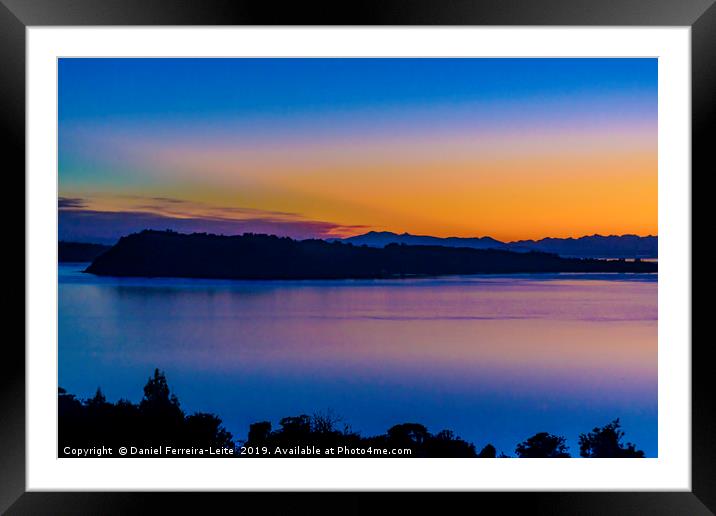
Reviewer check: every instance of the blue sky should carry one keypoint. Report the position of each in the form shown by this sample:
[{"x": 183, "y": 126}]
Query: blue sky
[{"x": 450, "y": 147}]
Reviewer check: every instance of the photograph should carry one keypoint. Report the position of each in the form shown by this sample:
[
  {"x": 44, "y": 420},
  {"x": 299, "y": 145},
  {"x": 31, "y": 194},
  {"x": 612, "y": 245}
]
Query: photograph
[
  {"x": 353, "y": 257},
  {"x": 310, "y": 257}
]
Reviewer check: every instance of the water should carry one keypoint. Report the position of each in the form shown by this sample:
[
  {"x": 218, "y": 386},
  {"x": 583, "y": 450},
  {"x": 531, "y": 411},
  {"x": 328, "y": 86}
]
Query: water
[{"x": 495, "y": 359}]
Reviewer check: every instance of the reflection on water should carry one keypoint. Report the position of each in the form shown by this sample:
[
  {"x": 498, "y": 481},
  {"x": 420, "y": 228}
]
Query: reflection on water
[{"x": 493, "y": 358}]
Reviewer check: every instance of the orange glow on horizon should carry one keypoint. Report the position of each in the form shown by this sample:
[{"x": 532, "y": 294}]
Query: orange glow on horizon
[{"x": 592, "y": 184}]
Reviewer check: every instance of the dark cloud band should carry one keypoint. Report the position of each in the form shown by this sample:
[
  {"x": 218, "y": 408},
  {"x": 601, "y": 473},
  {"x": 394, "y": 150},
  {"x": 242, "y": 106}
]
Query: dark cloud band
[{"x": 106, "y": 227}]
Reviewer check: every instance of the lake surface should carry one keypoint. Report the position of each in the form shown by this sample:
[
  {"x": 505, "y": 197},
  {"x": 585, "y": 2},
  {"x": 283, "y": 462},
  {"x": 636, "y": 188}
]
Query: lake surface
[{"x": 495, "y": 359}]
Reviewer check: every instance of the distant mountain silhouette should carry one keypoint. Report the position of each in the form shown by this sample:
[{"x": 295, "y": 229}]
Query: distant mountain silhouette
[
  {"x": 594, "y": 246},
  {"x": 250, "y": 256},
  {"x": 79, "y": 251},
  {"x": 383, "y": 238}
]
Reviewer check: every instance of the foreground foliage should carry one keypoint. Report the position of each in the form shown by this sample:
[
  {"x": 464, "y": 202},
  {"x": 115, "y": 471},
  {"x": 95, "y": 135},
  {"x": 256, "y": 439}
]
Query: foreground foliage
[{"x": 158, "y": 421}]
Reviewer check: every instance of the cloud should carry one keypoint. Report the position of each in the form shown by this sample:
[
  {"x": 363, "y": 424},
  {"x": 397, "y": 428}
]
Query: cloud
[
  {"x": 170, "y": 206},
  {"x": 105, "y": 219},
  {"x": 64, "y": 203},
  {"x": 108, "y": 226},
  {"x": 182, "y": 208},
  {"x": 168, "y": 200}
]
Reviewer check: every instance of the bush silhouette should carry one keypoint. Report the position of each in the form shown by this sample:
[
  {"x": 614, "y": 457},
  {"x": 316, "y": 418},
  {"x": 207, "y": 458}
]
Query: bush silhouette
[{"x": 543, "y": 445}]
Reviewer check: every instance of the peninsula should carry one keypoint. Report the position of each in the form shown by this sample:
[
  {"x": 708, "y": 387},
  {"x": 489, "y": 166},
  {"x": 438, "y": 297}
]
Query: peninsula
[{"x": 253, "y": 256}]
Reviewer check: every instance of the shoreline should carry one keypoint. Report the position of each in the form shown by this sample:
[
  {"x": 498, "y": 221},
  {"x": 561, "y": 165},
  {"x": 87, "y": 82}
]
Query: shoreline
[{"x": 496, "y": 275}]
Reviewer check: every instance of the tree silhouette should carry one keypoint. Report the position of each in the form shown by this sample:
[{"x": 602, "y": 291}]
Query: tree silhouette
[
  {"x": 543, "y": 445},
  {"x": 446, "y": 444},
  {"x": 158, "y": 421},
  {"x": 296, "y": 427},
  {"x": 326, "y": 422},
  {"x": 258, "y": 433},
  {"x": 157, "y": 393},
  {"x": 488, "y": 452},
  {"x": 408, "y": 434},
  {"x": 163, "y": 417},
  {"x": 99, "y": 399},
  {"x": 606, "y": 442},
  {"x": 206, "y": 430}
]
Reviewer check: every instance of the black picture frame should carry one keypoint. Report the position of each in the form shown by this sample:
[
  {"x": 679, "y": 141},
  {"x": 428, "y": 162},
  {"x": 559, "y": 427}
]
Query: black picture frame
[{"x": 17, "y": 15}]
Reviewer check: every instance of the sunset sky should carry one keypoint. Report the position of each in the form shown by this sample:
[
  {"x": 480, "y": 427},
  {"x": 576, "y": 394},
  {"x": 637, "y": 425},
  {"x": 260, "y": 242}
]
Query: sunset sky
[{"x": 508, "y": 148}]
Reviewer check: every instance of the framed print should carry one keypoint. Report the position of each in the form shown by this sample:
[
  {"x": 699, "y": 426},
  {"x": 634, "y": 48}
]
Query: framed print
[{"x": 417, "y": 248}]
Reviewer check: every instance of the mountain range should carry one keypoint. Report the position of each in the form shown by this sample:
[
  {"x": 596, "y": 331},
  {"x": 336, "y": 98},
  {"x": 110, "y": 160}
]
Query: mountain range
[{"x": 594, "y": 246}]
